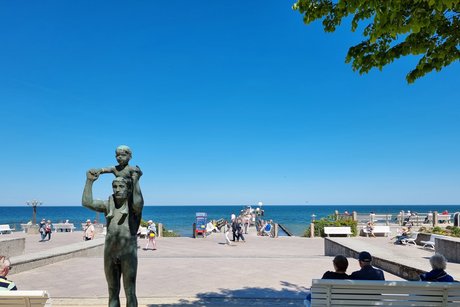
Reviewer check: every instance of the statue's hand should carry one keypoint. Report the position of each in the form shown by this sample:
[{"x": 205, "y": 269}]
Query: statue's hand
[
  {"x": 138, "y": 172},
  {"x": 92, "y": 174}
]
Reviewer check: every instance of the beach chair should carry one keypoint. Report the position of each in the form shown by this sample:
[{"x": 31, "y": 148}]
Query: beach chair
[
  {"x": 268, "y": 229},
  {"x": 431, "y": 242}
]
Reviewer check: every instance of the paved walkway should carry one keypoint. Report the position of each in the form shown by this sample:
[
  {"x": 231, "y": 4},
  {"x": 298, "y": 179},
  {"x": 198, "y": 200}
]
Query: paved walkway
[{"x": 206, "y": 272}]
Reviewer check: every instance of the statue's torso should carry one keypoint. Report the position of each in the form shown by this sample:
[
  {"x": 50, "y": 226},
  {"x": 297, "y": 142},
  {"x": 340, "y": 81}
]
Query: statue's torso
[{"x": 121, "y": 229}]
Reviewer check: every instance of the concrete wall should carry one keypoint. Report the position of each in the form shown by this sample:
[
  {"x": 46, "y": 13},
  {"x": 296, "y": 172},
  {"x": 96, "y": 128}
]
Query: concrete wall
[
  {"x": 93, "y": 248},
  {"x": 450, "y": 248},
  {"x": 12, "y": 246},
  {"x": 332, "y": 248}
]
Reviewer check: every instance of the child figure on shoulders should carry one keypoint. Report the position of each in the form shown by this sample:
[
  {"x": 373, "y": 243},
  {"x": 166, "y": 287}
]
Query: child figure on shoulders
[{"x": 123, "y": 154}]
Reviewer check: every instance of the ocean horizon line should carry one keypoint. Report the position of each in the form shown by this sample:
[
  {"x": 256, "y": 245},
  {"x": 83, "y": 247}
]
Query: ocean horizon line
[{"x": 244, "y": 205}]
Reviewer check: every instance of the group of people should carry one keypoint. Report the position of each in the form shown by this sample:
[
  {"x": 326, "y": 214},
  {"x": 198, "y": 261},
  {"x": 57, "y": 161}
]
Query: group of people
[
  {"x": 239, "y": 228},
  {"x": 45, "y": 229},
  {"x": 367, "y": 272}
]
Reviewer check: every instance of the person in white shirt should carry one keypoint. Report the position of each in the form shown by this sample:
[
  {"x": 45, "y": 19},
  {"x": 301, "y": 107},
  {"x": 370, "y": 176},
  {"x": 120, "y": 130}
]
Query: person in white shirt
[{"x": 88, "y": 232}]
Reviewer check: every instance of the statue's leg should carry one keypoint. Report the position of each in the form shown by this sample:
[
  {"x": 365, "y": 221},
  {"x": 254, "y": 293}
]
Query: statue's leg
[
  {"x": 129, "y": 269},
  {"x": 112, "y": 275}
]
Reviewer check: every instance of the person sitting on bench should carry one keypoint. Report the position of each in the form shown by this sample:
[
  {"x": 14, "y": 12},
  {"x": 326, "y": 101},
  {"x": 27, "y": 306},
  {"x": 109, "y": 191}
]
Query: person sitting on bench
[{"x": 5, "y": 267}]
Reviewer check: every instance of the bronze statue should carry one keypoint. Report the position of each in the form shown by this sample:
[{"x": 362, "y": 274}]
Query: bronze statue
[{"x": 120, "y": 250}]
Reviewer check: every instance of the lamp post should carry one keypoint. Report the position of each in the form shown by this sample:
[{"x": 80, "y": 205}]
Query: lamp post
[
  {"x": 313, "y": 217},
  {"x": 34, "y": 203}
]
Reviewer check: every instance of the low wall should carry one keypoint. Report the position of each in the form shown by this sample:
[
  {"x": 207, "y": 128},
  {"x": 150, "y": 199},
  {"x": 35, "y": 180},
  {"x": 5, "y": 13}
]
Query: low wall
[
  {"x": 450, "y": 248},
  {"x": 81, "y": 249},
  {"x": 12, "y": 246},
  {"x": 332, "y": 248}
]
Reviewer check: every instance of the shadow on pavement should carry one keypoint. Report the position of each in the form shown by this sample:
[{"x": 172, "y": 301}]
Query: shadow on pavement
[{"x": 290, "y": 295}]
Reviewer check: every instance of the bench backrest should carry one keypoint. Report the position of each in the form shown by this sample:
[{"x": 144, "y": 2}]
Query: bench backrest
[
  {"x": 329, "y": 292},
  {"x": 64, "y": 226},
  {"x": 23, "y": 298},
  {"x": 434, "y": 236},
  {"x": 378, "y": 228},
  {"x": 443, "y": 216},
  {"x": 337, "y": 230},
  {"x": 381, "y": 228}
]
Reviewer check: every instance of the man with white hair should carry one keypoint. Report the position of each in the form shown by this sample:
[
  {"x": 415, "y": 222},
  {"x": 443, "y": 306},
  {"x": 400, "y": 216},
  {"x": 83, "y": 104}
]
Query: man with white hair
[{"x": 5, "y": 284}]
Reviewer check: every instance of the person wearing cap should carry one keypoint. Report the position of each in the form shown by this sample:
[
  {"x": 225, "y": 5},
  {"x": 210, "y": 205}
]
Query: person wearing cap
[
  {"x": 5, "y": 267},
  {"x": 88, "y": 233},
  {"x": 152, "y": 233},
  {"x": 367, "y": 272},
  {"x": 438, "y": 264}
]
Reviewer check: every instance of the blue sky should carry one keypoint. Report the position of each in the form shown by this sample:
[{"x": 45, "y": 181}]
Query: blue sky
[{"x": 221, "y": 102}]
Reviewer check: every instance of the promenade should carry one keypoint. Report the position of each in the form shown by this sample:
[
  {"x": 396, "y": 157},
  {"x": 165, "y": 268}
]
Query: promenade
[{"x": 205, "y": 272}]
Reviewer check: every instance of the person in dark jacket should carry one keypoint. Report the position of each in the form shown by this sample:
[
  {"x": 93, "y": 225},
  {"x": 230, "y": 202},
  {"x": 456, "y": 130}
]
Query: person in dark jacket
[
  {"x": 367, "y": 272},
  {"x": 235, "y": 229},
  {"x": 438, "y": 264},
  {"x": 340, "y": 263}
]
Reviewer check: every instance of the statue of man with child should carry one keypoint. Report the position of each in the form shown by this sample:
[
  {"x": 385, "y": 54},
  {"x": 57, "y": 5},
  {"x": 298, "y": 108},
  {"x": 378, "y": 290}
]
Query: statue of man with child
[{"x": 123, "y": 211}]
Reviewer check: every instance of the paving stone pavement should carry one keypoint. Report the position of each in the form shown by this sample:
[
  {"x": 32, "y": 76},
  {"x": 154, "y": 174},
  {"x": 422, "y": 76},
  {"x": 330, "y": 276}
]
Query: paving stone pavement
[{"x": 204, "y": 272}]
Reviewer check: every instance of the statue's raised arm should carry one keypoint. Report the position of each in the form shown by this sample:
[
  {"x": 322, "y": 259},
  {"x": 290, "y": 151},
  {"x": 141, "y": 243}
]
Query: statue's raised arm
[{"x": 87, "y": 198}]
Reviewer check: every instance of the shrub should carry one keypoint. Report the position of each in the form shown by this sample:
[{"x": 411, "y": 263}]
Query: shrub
[
  {"x": 165, "y": 232},
  {"x": 455, "y": 231},
  {"x": 437, "y": 229},
  {"x": 331, "y": 221}
]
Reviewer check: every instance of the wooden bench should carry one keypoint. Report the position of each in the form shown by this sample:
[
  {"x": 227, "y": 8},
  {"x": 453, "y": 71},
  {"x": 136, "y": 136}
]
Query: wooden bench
[
  {"x": 23, "y": 298},
  {"x": 377, "y": 229},
  {"x": 5, "y": 229},
  {"x": 335, "y": 293},
  {"x": 344, "y": 230}
]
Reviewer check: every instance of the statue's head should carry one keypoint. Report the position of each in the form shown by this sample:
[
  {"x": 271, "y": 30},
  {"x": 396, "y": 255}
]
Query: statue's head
[
  {"x": 123, "y": 154},
  {"x": 121, "y": 188}
]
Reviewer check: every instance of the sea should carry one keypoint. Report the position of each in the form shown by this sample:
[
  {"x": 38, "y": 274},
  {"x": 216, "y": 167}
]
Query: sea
[{"x": 181, "y": 218}]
